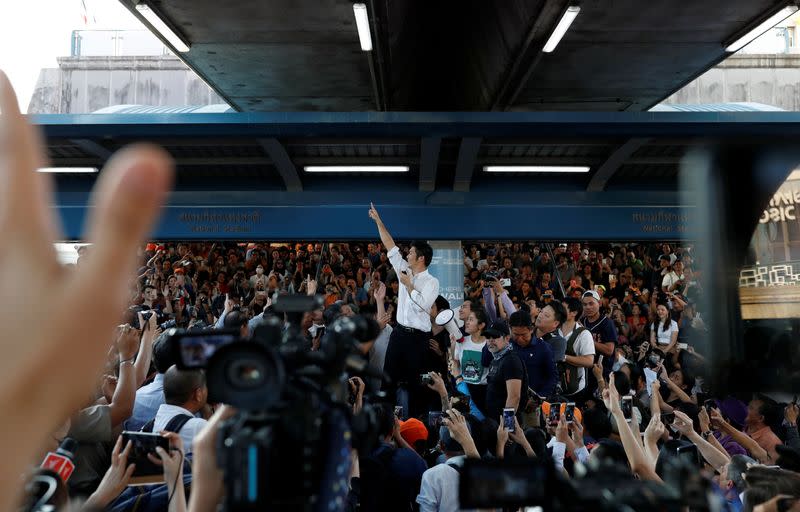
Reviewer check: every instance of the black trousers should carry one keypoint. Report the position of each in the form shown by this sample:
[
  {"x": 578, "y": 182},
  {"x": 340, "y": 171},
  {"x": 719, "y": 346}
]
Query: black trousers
[{"x": 404, "y": 364}]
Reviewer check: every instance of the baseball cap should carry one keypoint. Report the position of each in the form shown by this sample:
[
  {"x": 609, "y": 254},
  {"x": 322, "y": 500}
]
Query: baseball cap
[
  {"x": 496, "y": 330},
  {"x": 412, "y": 430},
  {"x": 591, "y": 293}
]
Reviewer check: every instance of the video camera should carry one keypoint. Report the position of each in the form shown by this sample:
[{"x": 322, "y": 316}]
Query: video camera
[
  {"x": 597, "y": 486},
  {"x": 288, "y": 446}
]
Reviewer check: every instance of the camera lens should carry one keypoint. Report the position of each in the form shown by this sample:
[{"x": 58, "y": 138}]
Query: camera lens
[{"x": 245, "y": 374}]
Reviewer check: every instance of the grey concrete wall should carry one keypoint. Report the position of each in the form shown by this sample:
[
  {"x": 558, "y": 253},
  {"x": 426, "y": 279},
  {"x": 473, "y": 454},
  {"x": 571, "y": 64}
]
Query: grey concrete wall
[
  {"x": 86, "y": 84},
  {"x": 770, "y": 79}
]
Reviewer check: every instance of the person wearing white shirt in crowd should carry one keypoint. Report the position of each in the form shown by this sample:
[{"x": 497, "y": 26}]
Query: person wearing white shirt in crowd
[
  {"x": 185, "y": 392},
  {"x": 583, "y": 345},
  {"x": 673, "y": 278},
  {"x": 664, "y": 331},
  {"x": 408, "y": 343}
]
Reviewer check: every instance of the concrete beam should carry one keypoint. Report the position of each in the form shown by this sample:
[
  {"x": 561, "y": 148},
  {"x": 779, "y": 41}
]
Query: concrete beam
[
  {"x": 283, "y": 163},
  {"x": 606, "y": 171},
  {"x": 93, "y": 148},
  {"x": 465, "y": 166},
  {"x": 429, "y": 163}
]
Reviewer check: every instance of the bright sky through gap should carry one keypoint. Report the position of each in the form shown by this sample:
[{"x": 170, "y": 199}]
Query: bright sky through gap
[{"x": 34, "y": 32}]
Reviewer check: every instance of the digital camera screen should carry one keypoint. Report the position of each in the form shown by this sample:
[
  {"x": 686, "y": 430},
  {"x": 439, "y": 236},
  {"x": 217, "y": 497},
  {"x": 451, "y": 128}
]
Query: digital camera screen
[{"x": 197, "y": 350}]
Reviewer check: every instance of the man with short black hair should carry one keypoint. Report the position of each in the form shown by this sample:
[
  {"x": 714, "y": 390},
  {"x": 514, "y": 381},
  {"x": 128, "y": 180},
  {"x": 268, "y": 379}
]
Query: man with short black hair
[
  {"x": 537, "y": 355},
  {"x": 580, "y": 349},
  {"x": 185, "y": 394},
  {"x": 507, "y": 379},
  {"x": 548, "y": 321},
  {"x": 416, "y": 294},
  {"x": 150, "y": 397},
  {"x": 759, "y": 412}
]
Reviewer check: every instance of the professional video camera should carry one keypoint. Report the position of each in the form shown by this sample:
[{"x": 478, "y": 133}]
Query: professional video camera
[
  {"x": 288, "y": 447},
  {"x": 597, "y": 486}
]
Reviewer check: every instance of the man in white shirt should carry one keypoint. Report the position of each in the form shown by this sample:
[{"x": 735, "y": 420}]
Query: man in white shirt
[
  {"x": 581, "y": 354},
  {"x": 408, "y": 343},
  {"x": 185, "y": 393}
]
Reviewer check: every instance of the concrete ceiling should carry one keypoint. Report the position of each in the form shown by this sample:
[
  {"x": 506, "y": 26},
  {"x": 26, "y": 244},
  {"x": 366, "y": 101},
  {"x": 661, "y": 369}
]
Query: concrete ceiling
[{"x": 465, "y": 55}]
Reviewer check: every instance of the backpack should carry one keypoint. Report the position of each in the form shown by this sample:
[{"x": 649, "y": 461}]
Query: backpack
[
  {"x": 569, "y": 377},
  {"x": 380, "y": 490},
  {"x": 174, "y": 425},
  {"x": 152, "y": 498}
]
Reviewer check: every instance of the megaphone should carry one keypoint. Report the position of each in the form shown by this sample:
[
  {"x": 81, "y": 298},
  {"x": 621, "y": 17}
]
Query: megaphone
[{"x": 450, "y": 321}]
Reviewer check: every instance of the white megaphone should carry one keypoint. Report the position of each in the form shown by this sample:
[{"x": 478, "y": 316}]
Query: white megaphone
[{"x": 451, "y": 322}]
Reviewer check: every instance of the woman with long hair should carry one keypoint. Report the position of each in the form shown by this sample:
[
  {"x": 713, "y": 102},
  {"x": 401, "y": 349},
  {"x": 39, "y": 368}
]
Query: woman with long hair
[
  {"x": 467, "y": 356},
  {"x": 664, "y": 330}
]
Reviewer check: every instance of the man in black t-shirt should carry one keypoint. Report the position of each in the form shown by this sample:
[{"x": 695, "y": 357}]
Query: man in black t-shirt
[{"x": 507, "y": 380}]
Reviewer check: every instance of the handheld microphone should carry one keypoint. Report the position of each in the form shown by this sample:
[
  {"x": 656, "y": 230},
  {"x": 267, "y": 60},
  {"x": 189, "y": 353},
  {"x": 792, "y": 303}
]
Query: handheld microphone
[
  {"x": 45, "y": 492},
  {"x": 62, "y": 462}
]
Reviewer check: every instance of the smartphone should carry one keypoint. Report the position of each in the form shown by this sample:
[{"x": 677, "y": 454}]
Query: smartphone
[
  {"x": 689, "y": 455},
  {"x": 426, "y": 378},
  {"x": 626, "y": 404},
  {"x": 683, "y": 346},
  {"x": 435, "y": 419},
  {"x": 600, "y": 359},
  {"x": 569, "y": 412},
  {"x": 555, "y": 414},
  {"x": 508, "y": 419},
  {"x": 505, "y": 283},
  {"x": 668, "y": 418},
  {"x": 710, "y": 404},
  {"x": 398, "y": 411}
]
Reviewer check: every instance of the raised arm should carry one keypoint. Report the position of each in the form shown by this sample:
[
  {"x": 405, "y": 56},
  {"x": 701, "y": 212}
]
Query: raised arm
[
  {"x": 633, "y": 449},
  {"x": 747, "y": 442},
  {"x": 122, "y": 403},
  {"x": 684, "y": 425},
  {"x": 143, "y": 358},
  {"x": 386, "y": 238}
]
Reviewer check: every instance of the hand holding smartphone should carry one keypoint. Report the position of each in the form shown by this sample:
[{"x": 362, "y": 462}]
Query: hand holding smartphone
[
  {"x": 626, "y": 404},
  {"x": 508, "y": 419},
  {"x": 569, "y": 412}
]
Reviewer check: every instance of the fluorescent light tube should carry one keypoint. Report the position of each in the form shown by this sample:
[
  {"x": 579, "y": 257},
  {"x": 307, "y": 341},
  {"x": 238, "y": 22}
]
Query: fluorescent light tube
[
  {"x": 162, "y": 28},
  {"x": 762, "y": 28},
  {"x": 536, "y": 168},
  {"x": 561, "y": 28},
  {"x": 356, "y": 168},
  {"x": 68, "y": 170},
  {"x": 362, "y": 23}
]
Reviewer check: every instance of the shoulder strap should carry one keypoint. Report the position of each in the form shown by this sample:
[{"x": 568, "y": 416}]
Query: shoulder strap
[
  {"x": 177, "y": 423},
  {"x": 571, "y": 341},
  {"x": 148, "y": 427}
]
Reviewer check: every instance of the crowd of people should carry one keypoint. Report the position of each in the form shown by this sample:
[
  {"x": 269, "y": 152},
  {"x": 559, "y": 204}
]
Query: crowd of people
[
  {"x": 589, "y": 352},
  {"x": 575, "y": 355}
]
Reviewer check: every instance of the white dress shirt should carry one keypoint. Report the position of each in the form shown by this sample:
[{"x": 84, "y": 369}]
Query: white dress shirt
[
  {"x": 414, "y": 311},
  {"x": 192, "y": 427}
]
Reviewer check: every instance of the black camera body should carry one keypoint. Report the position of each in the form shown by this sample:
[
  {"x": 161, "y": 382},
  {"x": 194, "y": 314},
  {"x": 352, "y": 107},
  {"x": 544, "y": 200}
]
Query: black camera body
[{"x": 288, "y": 447}]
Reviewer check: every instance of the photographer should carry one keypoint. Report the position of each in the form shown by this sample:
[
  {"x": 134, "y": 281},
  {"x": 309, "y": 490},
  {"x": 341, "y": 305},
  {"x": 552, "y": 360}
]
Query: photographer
[
  {"x": 440, "y": 484},
  {"x": 391, "y": 474}
]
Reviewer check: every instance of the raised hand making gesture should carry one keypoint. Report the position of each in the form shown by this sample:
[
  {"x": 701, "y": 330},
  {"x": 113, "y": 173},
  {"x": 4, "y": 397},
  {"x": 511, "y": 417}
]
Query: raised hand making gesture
[{"x": 49, "y": 367}]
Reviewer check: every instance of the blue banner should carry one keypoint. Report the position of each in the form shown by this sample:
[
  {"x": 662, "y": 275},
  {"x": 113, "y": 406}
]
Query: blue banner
[
  {"x": 413, "y": 222},
  {"x": 448, "y": 267}
]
